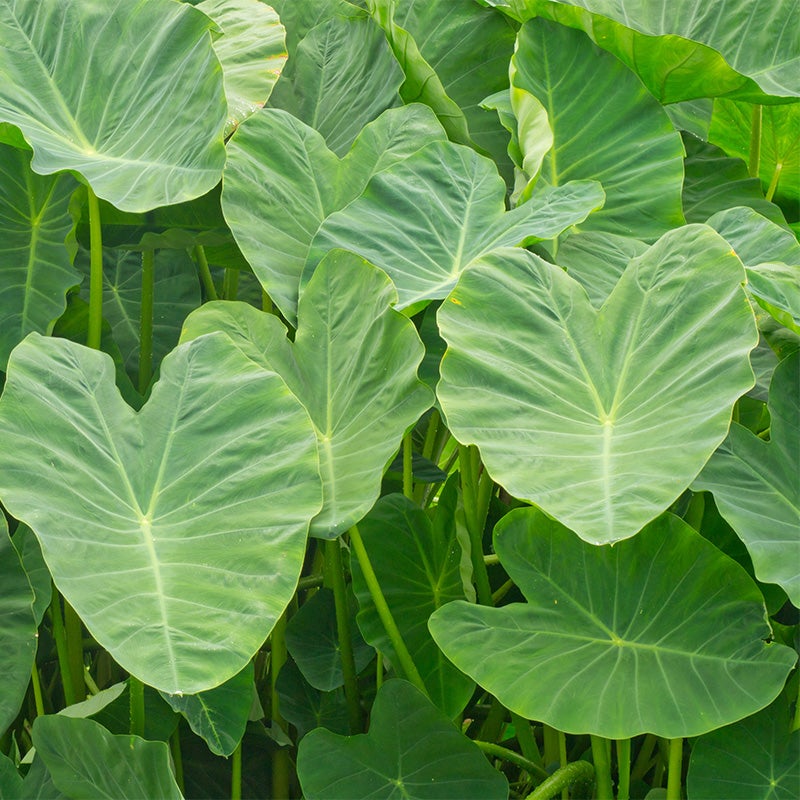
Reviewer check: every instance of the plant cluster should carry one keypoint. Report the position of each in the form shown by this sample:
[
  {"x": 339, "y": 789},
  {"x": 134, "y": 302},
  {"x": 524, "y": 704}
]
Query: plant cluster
[{"x": 400, "y": 399}]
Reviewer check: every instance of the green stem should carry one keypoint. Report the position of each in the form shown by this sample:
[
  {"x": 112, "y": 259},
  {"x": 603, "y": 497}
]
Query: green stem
[
  {"x": 177, "y": 758},
  {"x": 230, "y": 283},
  {"x": 408, "y": 473},
  {"x": 796, "y": 720},
  {"x": 146, "y": 319},
  {"x": 526, "y": 739},
  {"x": 642, "y": 763},
  {"x": 498, "y": 751},
  {"x": 674, "y": 770},
  {"x": 475, "y": 513},
  {"x": 60, "y": 636},
  {"x": 205, "y": 273},
  {"x": 562, "y": 759},
  {"x": 94, "y": 334},
  {"x": 551, "y": 745},
  {"x": 310, "y": 582},
  {"x": 382, "y": 607},
  {"x": 624, "y": 769},
  {"x": 378, "y": 670},
  {"x": 562, "y": 779},
  {"x": 37, "y": 690},
  {"x": 280, "y": 758},
  {"x": 333, "y": 555},
  {"x": 236, "y": 773},
  {"x": 136, "y": 693},
  {"x": 755, "y": 142},
  {"x": 89, "y": 681},
  {"x": 493, "y": 724},
  {"x": 73, "y": 628},
  {"x": 602, "y": 768},
  {"x": 773, "y": 184}
]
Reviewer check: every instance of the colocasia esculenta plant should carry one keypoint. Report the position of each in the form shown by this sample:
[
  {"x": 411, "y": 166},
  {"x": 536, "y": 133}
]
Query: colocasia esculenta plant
[{"x": 400, "y": 399}]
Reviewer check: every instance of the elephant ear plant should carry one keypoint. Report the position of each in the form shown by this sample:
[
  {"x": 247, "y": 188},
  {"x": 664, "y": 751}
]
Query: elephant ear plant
[{"x": 399, "y": 399}]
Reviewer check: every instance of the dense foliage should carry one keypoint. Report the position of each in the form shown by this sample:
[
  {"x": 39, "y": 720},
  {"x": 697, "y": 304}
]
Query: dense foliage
[{"x": 400, "y": 399}]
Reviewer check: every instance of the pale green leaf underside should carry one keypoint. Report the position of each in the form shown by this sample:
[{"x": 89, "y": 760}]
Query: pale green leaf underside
[
  {"x": 191, "y": 513},
  {"x": 659, "y": 634},
  {"x": 626, "y": 141},
  {"x": 127, "y": 93},
  {"x": 604, "y": 417},
  {"x": 353, "y": 366},
  {"x": 412, "y": 752},
  {"x": 35, "y": 266},
  {"x": 755, "y": 484},
  {"x": 282, "y": 181},
  {"x": 691, "y": 48},
  {"x": 418, "y": 567},
  {"x": 426, "y": 218},
  {"x": 251, "y": 51}
]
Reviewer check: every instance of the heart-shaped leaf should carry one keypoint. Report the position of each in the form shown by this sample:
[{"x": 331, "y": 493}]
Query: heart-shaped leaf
[
  {"x": 640, "y": 162},
  {"x": 85, "y": 760},
  {"x": 342, "y": 76},
  {"x": 419, "y": 569},
  {"x": 282, "y": 181},
  {"x": 755, "y": 484},
  {"x": 661, "y": 634},
  {"x": 127, "y": 94},
  {"x": 412, "y": 751},
  {"x": 353, "y": 365},
  {"x": 688, "y": 48},
  {"x": 219, "y": 716},
  {"x": 755, "y": 759},
  {"x": 35, "y": 265},
  {"x": 601, "y": 418},
  {"x": 251, "y": 51},
  {"x": 425, "y": 219},
  {"x": 192, "y": 513}
]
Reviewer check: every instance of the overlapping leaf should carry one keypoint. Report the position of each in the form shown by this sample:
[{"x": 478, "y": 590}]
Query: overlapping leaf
[
  {"x": 660, "y": 634},
  {"x": 35, "y": 265},
  {"x": 418, "y": 567},
  {"x": 353, "y": 365},
  {"x": 626, "y": 142},
  {"x": 412, "y": 751},
  {"x": 756, "y": 488},
  {"x": 127, "y": 94},
  {"x": 689, "y": 48},
  {"x": 425, "y": 219},
  {"x": 601, "y": 418},
  {"x": 282, "y": 181},
  {"x": 193, "y": 513}
]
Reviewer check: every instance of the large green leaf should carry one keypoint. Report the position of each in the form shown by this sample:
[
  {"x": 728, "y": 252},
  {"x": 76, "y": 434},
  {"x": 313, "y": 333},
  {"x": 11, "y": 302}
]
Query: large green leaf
[
  {"x": 17, "y": 629},
  {"x": 219, "y": 716},
  {"x": 755, "y": 759},
  {"x": 176, "y": 292},
  {"x": 689, "y": 48},
  {"x": 779, "y": 164},
  {"x": 193, "y": 512},
  {"x": 424, "y": 219},
  {"x": 126, "y": 93},
  {"x": 419, "y": 569},
  {"x": 35, "y": 264},
  {"x": 30, "y": 554},
  {"x": 469, "y": 49},
  {"x": 301, "y": 18},
  {"x": 412, "y": 752},
  {"x": 38, "y": 784},
  {"x": 626, "y": 142},
  {"x": 756, "y": 240},
  {"x": 85, "y": 760},
  {"x": 755, "y": 484},
  {"x": 661, "y": 633},
  {"x": 353, "y": 365},
  {"x": 601, "y": 418},
  {"x": 282, "y": 181},
  {"x": 342, "y": 76},
  {"x": 251, "y": 51}
]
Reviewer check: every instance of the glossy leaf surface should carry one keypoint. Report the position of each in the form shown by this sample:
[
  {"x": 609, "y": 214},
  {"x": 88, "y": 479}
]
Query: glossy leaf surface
[
  {"x": 353, "y": 365},
  {"x": 221, "y": 455},
  {"x": 412, "y": 752},
  {"x": 133, "y": 131},
  {"x": 660, "y": 634},
  {"x": 623, "y": 405},
  {"x": 755, "y": 484}
]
